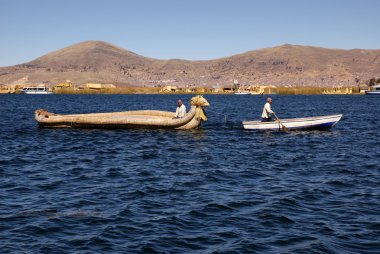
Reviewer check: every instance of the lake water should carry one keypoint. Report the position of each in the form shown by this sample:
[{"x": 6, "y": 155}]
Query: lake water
[{"x": 218, "y": 189}]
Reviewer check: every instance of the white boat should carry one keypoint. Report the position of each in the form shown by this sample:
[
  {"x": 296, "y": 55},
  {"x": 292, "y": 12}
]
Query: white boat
[
  {"x": 36, "y": 90},
  {"x": 308, "y": 123},
  {"x": 242, "y": 93},
  {"x": 375, "y": 90}
]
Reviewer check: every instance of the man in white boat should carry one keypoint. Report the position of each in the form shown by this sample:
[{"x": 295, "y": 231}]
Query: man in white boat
[
  {"x": 181, "y": 110},
  {"x": 267, "y": 111}
]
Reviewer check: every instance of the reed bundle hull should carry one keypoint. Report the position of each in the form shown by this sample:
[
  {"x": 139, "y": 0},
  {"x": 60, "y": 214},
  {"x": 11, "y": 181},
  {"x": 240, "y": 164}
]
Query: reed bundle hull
[{"x": 127, "y": 119}]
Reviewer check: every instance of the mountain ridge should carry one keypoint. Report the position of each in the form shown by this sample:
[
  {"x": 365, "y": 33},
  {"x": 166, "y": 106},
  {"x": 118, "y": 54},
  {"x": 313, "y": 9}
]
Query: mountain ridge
[{"x": 284, "y": 65}]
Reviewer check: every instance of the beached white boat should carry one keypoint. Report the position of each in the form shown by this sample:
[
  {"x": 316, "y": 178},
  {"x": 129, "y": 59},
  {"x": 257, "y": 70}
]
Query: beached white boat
[
  {"x": 375, "y": 90},
  {"x": 36, "y": 90},
  {"x": 127, "y": 119},
  {"x": 242, "y": 93},
  {"x": 308, "y": 123}
]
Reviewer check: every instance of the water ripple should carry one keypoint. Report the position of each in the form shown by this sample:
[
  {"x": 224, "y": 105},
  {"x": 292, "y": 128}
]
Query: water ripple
[{"x": 218, "y": 189}]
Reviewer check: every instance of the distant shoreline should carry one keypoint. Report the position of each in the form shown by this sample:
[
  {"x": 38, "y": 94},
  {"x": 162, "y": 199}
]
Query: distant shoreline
[{"x": 157, "y": 90}]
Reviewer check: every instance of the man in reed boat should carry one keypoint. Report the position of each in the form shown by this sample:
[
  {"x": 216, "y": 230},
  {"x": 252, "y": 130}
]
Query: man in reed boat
[
  {"x": 181, "y": 110},
  {"x": 267, "y": 111}
]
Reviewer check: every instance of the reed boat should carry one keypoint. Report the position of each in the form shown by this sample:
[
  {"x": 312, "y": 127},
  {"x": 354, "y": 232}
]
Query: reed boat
[
  {"x": 127, "y": 119},
  {"x": 307, "y": 123}
]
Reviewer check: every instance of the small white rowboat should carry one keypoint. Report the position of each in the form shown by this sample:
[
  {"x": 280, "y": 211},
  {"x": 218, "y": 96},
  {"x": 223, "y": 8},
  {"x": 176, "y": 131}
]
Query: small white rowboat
[{"x": 308, "y": 123}]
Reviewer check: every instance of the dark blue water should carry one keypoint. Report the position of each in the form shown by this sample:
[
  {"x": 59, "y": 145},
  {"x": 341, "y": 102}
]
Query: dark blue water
[{"x": 219, "y": 189}]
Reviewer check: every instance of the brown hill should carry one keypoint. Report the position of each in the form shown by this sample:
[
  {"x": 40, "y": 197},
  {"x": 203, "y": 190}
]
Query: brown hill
[{"x": 294, "y": 65}]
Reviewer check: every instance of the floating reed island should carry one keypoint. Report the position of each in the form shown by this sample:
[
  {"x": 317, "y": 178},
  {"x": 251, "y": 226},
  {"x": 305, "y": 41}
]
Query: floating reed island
[
  {"x": 93, "y": 88},
  {"x": 127, "y": 119},
  {"x": 170, "y": 89}
]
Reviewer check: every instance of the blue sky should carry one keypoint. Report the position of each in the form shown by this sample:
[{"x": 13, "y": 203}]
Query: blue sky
[{"x": 186, "y": 29}]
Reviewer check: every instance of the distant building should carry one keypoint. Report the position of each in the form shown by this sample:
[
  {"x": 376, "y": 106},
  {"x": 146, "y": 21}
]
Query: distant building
[
  {"x": 7, "y": 89},
  {"x": 168, "y": 89},
  {"x": 363, "y": 88},
  {"x": 252, "y": 89},
  {"x": 108, "y": 86},
  {"x": 201, "y": 90},
  {"x": 228, "y": 89},
  {"x": 338, "y": 90},
  {"x": 218, "y": 90},
  {"x": 66, "y": 84},
  {"x": 96, "y": 86}
]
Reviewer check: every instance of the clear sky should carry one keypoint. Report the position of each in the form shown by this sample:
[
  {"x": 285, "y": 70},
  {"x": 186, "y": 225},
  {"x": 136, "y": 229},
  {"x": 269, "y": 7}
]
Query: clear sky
[{"x": 186, "y": 29}]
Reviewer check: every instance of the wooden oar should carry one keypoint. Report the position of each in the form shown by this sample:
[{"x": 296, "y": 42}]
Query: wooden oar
[{"x": 283, "y": 127}]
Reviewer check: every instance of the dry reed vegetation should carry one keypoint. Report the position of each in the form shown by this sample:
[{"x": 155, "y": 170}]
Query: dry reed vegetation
[
  {"x": 118, "y": 90},
  {"x": 300, "y": 90}
]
